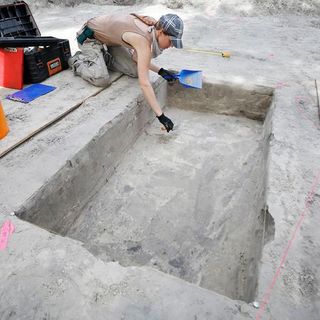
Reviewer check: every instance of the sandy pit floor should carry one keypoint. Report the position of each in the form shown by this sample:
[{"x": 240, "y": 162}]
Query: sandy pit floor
[{"x": 193, "y": 212}]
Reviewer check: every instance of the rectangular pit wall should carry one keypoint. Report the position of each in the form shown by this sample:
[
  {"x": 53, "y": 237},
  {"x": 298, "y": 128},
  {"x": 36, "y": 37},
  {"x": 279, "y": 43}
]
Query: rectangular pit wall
[
  {"x": 58, "y": 203},
  {"x": 228, "y": 255}
]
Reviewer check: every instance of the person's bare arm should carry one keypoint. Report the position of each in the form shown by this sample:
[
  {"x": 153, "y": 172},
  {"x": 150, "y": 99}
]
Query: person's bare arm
[
  {"x": 142, "y": 47},
  {"x": 154, "y": 68}
]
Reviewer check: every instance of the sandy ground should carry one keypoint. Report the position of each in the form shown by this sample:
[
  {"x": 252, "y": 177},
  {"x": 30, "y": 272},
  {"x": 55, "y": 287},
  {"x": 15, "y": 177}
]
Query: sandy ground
[{"x": 280, "y": 51}]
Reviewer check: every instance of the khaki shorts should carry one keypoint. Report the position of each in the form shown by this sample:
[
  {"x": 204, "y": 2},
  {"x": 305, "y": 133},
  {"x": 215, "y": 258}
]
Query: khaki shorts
[
  {"x": 94, "y": 60},
  {"x": 122, "y": 61}
]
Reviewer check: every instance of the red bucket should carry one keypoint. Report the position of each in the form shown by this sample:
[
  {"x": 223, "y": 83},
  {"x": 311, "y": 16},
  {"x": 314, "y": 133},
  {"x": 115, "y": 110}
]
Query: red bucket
[{"x": 11, "y": 68}]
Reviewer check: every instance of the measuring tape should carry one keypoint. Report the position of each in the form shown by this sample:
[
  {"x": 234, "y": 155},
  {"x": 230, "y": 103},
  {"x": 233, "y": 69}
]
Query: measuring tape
[{"x": 224, "y": 54}]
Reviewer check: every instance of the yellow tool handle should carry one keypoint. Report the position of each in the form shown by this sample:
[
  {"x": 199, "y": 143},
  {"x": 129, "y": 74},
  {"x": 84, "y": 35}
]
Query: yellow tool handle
[{"x": 224, "y": 54}]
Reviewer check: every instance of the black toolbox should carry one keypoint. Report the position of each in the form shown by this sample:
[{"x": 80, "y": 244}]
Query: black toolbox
[
  {"x": 43, "y": 62},
  {"x": 19, "y": 29}
]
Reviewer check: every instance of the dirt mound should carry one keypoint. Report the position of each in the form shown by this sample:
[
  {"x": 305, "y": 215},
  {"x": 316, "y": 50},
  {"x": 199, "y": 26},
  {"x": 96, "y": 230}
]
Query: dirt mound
[
  {"x": 307, "y": 7},
  {"x": 251, "y": 7},
  {"x": 241, "y": 7},
  {"x": 35, "y": 4}
]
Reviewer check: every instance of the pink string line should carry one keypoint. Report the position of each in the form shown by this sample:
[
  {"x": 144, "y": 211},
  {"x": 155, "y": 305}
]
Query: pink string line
[
  {"x": 280, "y": 85},
  {"x": 269, "y": 290},
  {"x": 6, "y": 230}
]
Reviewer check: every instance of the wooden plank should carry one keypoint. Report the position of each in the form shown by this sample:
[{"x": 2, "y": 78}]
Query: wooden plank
[
  {"x": 318, "y": 104},
  {"x": 26, "y": 120}
]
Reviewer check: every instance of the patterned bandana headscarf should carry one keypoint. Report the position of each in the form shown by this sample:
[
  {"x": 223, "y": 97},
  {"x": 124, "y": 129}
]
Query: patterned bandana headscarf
[{"x": 156, "y": 50}]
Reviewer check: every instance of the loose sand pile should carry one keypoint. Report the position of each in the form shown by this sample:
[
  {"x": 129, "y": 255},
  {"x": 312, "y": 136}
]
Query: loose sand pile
[
  {"x": 35, "y": 4},
  {"x": 242, "y": 7},
  {"x": 251, "y": 7}
]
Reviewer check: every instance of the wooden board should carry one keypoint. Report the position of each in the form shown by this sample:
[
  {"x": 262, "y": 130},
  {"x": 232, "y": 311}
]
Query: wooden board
[{"x": 26, "y": 120}]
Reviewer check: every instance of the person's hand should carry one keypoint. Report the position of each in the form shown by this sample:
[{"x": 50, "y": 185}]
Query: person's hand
[
  {"x": 167, "y": 75},
  {"x": 168, "y": 124}
]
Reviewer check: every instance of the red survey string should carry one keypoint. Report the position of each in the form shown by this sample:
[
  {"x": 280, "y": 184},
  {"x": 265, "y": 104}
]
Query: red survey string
[
  {"x": 6, "y": 230},
  {"x": 269, "y": 290}
]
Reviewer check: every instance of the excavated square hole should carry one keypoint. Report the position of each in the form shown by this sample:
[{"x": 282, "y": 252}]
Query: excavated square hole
[{"x": 189, "y": 203}]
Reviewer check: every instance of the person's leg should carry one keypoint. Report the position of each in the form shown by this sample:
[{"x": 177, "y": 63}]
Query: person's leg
[
  {"x": 122, "y": 61},
  {"x": 89, "y": 63}
]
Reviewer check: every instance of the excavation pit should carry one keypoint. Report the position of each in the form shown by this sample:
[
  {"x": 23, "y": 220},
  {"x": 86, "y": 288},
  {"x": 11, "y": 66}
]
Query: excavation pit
[{"x": 189, "y": 203}]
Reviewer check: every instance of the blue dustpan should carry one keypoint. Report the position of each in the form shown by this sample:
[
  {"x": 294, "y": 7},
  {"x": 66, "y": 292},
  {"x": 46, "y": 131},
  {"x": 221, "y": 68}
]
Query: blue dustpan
[{"x": 190, "y": 78}]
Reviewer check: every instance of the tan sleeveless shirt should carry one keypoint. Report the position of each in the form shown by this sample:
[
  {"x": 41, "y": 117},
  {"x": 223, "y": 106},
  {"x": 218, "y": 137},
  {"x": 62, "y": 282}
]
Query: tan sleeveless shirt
[{"x": 109, "y": 29}]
